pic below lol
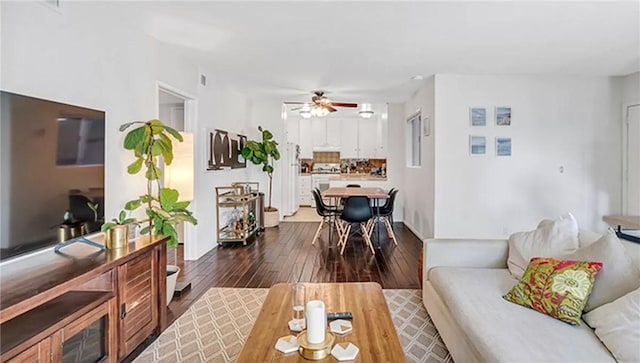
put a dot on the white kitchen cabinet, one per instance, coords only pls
(318, 131)
(334, 129)
(367, 138)
(363, 138)
(349, 139)
(305, 140)
(305, 190)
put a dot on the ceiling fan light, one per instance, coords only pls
(366, 113)
(305, 113)
(319, 111)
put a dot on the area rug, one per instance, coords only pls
(216, 325)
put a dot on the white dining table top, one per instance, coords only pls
(342, 192)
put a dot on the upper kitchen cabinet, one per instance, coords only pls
(325, 131)
(305, 138)
(363, 138)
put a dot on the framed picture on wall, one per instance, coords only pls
(503, 116)
(477, 145)
(503, 146)
(478, 116)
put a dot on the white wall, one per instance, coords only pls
(568, 122)
(418, 194)
(75, 57)
(630, 86)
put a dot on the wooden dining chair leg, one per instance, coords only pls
(315, 237)
(346, 237)
(387, 224)
(340, 229)
(367, 239)
(370, 224)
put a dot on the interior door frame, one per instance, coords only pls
(190, 117)
(625, 148)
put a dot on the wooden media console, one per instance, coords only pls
(82, 303)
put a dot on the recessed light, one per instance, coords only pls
(417, 77)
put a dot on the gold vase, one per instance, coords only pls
(118, 237)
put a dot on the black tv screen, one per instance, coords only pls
(51, 167)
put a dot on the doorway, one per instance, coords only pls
(177, 109)
(631, 161)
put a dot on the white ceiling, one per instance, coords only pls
(368, 51)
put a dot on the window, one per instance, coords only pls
(414, 125)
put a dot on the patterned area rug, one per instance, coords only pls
(215, 327)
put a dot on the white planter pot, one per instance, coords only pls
(172, 278)
(271, 219)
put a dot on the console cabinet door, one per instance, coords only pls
(39, 353)
(138, 301)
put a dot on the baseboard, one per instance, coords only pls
(414, 231)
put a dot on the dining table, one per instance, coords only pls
(374, 193)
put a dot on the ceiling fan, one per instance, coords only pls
(321, 103)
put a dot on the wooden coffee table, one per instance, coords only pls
(373, 330)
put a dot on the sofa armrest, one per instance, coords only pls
(480, 253)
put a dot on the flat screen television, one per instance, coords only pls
(51, 172)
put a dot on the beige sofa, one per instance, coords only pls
(463, 284)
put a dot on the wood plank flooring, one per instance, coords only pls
(285, 254)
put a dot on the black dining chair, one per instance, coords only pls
(357, 210)
(328, 214)
(386, 213)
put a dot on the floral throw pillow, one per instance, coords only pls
(557, 288)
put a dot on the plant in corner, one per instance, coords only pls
(264, 153)
(151, 144)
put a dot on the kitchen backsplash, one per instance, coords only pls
(364, 166)
(326, 157)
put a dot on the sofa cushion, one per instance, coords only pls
(557, 288)
(618, 275)
(550, 239)
(505, 332)
(617, 325)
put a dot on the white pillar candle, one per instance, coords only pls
(316, 321)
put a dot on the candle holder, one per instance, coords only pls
(315, 351)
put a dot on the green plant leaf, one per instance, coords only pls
(260, 155)
(145, 230)
(122, 216)
(156, 148)
(134, 137)
(153, 172)
(129, 221)
(247, 153)
(254, 145)
(155, 122)
(135, 167)
(266, 135)
(128, 124)
(133, 204)
(276, 154)
(167, 140)
(168, 198)
(167, 153)
(176, 135)
(160, 212)
(186, 218)
(169, 230)
(181, 205)
(107, 226)
(269, 147)
(267, 168)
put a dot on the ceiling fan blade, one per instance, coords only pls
(297, 108)
(342, 104)
(331, 109)
(293, 103)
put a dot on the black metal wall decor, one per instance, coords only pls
(225, 150)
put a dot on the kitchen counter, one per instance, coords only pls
(305, 174)
(359, 177)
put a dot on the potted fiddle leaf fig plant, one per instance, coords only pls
(265, 153)
(152, 145)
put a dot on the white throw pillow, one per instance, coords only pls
(618, 275)
(617, 325)
(550, 239)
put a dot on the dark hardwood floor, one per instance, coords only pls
(285, 254)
